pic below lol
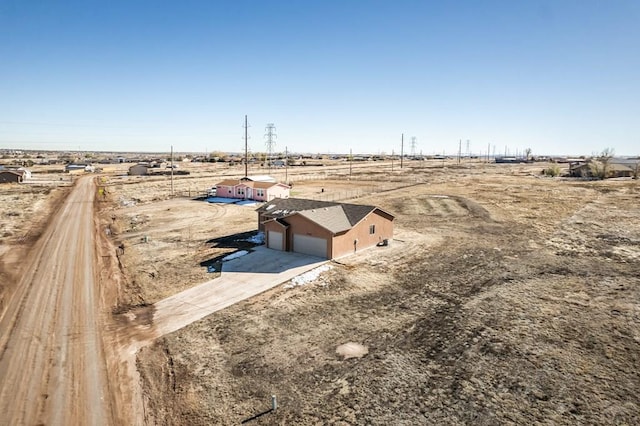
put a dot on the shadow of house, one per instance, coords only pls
(240, 241)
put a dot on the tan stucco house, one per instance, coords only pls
(324, 229)
(247, 189)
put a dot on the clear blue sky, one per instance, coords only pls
(559, 77)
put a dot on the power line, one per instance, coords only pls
(270, 143)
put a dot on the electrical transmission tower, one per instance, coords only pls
(271, 136)
(414, 144)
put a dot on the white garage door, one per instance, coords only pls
(310, 245)
(275, 240)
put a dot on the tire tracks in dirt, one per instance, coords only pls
(52, 366)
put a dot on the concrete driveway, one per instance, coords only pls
(241, 279)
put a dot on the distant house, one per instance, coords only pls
(248, 189)
(324, 229)
(26, 172)
(11, 176)
(259, 178)
(139, 170)
(78, 168)
(617, 168)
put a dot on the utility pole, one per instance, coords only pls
(246, 147)
(171, 171)
(271, 136)
(468, 151)
(392, 155)
(401, 149)
(414, 143)
(350, 161)
(488, 149)
(459, 150)
(286, 166)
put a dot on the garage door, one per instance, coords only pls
(310, 245)
(275, 240)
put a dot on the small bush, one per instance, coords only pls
(552, 171)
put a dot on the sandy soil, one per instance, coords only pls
(24, 213)
(505, 298)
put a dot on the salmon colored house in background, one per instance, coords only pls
(324, 229)
(249, 188)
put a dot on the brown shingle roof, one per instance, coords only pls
(335, 217)
(228, 182)
(331, 218)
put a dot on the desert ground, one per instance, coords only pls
(504, 298)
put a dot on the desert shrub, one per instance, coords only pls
(552, 171)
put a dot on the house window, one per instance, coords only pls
(372, 229)
(260, 193)
(240, 191)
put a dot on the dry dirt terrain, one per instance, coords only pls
(52, 364)
(504, 298)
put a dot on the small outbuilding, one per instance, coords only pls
(11, 176)
(139, 170)
(79, 168)
(324, 229)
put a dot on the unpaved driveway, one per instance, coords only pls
(52, 367)
(241, 279)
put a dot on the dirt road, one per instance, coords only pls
(52, 364)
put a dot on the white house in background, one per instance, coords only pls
(260, 178)
(79, 168)
(25, 172)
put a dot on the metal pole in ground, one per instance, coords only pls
(274, 403)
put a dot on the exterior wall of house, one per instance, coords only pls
(273, 226)
(276, 191)
(303, 226)
(261, 225)
(225, 191)
(243, 191)
(343, 244)
(260, 194)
